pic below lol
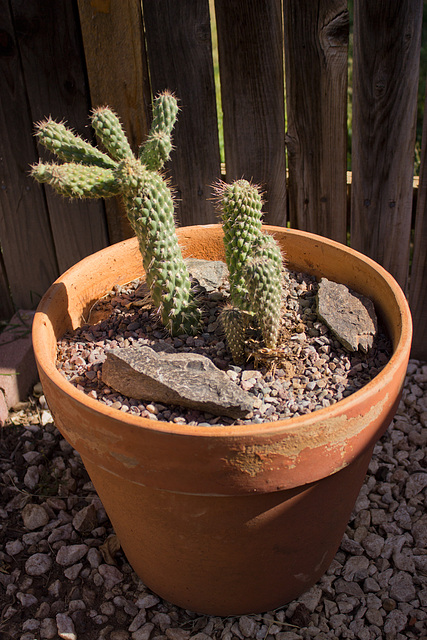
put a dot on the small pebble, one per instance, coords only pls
(38, 564)
(34, 516)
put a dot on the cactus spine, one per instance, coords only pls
(90, 173)
(254, 261)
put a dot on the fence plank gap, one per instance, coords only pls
(250, 47)
(316, 44)
(114, 49)
(387, 40)
(179, 48)
(49, 43)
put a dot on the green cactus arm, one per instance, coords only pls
(157, 148)
(165, 111)
(76, 180)
(264, 277)
(68, 146)
(266, 246)
(240, 203)
(109, 130)
(240, 200)
(150, 208)
(235, 323)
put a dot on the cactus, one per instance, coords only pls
(156, 149)
(110, 132)
(265, 294)
(90, 173)
(241, 205)
(235, 323)
(255, 264)
(253, 258)
(264, 280)
(70, 147)
(77, 180)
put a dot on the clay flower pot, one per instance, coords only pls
(226, 520)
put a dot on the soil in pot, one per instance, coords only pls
(311, 369)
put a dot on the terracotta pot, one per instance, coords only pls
(226, 520)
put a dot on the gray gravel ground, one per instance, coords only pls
(62, 574)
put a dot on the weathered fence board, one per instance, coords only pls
(250, 47)
(316, 42)
(180, 56)
(385, 80)
(26, 241)
(54, 74)
(114, 50)
(418, 281)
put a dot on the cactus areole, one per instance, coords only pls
(254, 260)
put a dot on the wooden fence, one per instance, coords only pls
(62, 57)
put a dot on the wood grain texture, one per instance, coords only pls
(48, 37)
(316, 44)
(113, 39)
(418, 281)
(385, 80)
(250, 46)
(179, 49)
(25, 235)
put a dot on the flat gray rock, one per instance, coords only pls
(185, 379)
(210, 274)
(349, 315)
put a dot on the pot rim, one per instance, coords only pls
(348, 405)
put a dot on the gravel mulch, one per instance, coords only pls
(63, 575)
(309, 370)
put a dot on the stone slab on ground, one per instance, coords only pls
(211, 274)
(18, 371)
(185, 379)
(349, 315)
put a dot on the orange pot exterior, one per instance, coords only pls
(226, 520)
